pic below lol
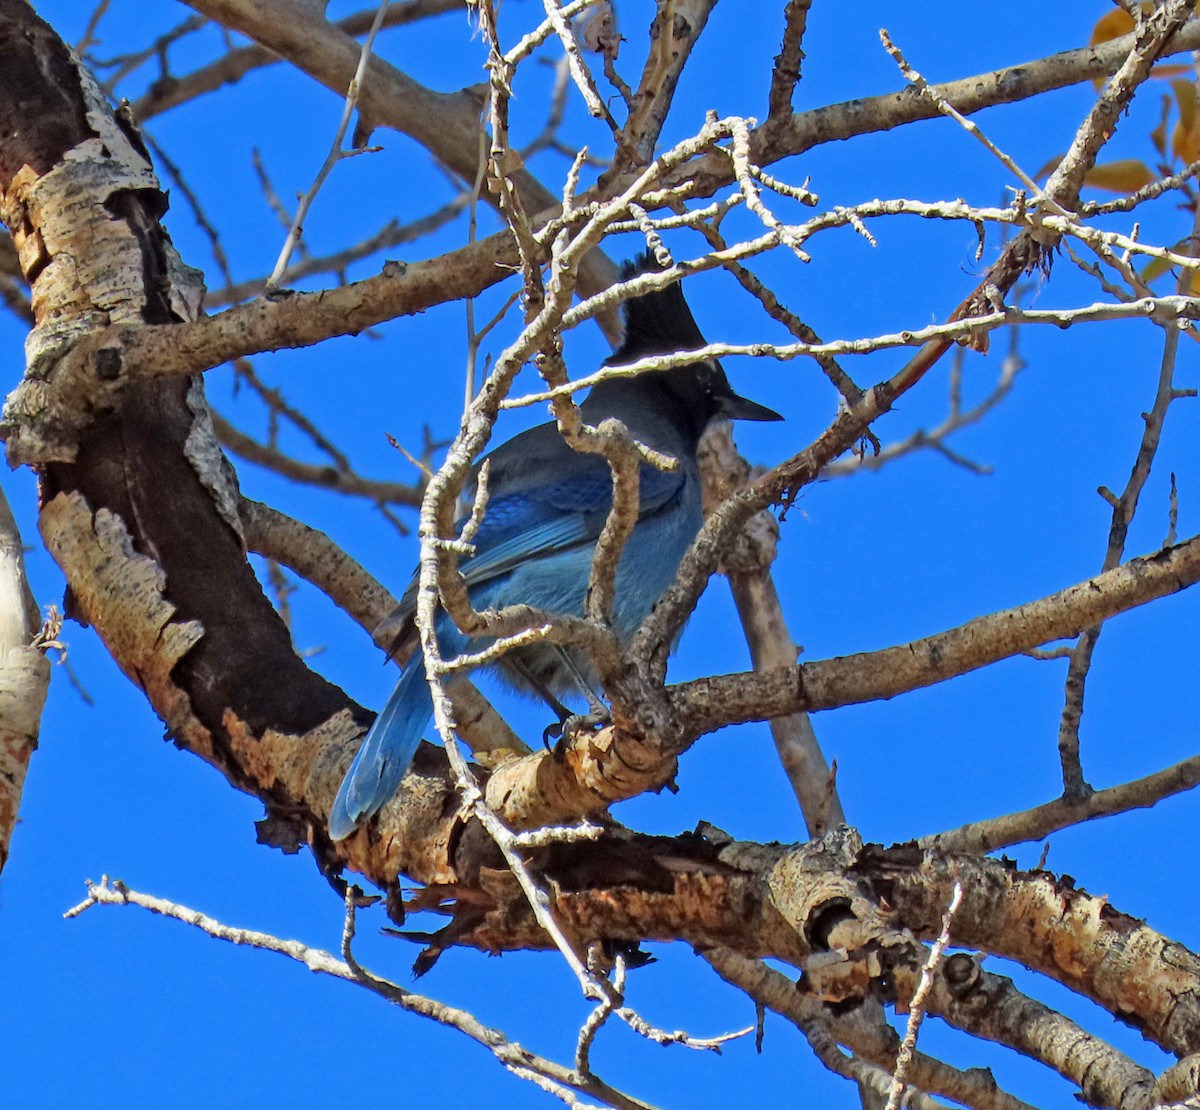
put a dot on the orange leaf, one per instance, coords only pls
(1185, 97)
(1168, 69)
(1125, 176)
(1185, 140)
(1156, 267)
(1049, 167)
(1113, 25)
(1185, 145)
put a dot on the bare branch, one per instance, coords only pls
(335, 155)
(327, 477)
(1040, 821)
(1124, 509)
(317, 559)
(947, 109)
(786, 74)
(706, 704)
(780, 138)
(673, 35)
(747, 565)
(916, 1011)
(170, 91)
(825, 1027)
(512, 1055)
(393, 234)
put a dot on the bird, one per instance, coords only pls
(546, 506)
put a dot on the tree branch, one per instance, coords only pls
(170, 92)
(24, 674)
(986, 836)
(706, 704)
(513, 1056)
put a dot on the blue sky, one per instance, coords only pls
(118, 1007)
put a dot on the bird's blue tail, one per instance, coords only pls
(386, 752)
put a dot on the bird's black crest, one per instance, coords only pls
(655, 323)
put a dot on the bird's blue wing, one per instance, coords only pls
(540, 521)
(529, 523)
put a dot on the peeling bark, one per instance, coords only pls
(24, 677)
(141, 510)
(138, 503)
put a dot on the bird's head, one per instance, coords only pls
(660, 323)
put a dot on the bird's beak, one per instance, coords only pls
(734, 407)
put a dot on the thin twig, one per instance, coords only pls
(947, 109)
(916, 1012)
(1124, 509)
(336, 154)
(512, 1055)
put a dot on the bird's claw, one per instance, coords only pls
(589, 722)
(564, 731)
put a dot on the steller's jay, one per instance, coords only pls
(546, 507)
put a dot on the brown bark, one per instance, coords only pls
(143, 518)
(142, 512)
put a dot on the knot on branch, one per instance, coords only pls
(596, 770)
(852, 948)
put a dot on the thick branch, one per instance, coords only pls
(707, 704)
(1046, 924)
(24, 675)
(170, 91)
(144, 520)
(47, 416)
(818, 1022)
(782, 138)
(317, 559)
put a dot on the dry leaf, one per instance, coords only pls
(1124, 176)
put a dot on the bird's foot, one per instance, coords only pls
(562, 732)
